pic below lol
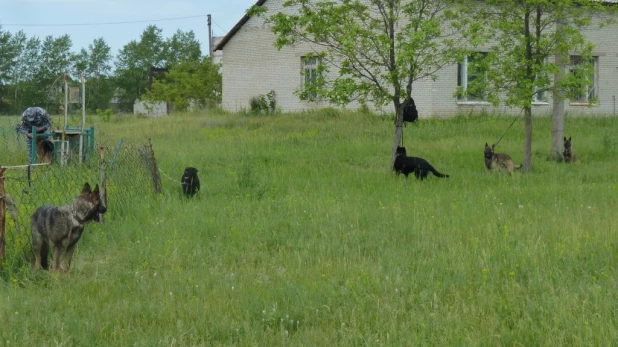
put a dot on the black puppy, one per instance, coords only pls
(407, 165)
(190, 182)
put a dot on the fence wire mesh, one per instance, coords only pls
(126, 167)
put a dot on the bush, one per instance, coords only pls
(106, 115)
(263, 104)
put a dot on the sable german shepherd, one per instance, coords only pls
(495, 160)
(419, 166)
(569, 153)
(44, 150)
(62, 227)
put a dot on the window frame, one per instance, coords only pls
(463, 80)
(591, 93)
(309, 74)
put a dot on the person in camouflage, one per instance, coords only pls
(37, 117)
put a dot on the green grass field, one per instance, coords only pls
(302, 235)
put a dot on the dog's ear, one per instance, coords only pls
(96, 189)
(86, 188)
(565, 140)
(569, 138)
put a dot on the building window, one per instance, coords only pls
(539, 97)
(310, 74)
(472, 78)
(585, 93)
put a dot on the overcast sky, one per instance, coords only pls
(56, 14)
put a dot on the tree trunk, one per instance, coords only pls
(398, 131)
(557, 133)
(528, 140)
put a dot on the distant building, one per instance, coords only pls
(251, 66)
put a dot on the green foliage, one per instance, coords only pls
(135, 59)
(338, 251)
(263, 104)
(192, 81)
(104, 116)
(381, 48)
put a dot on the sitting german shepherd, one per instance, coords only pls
(62, 227)
(419, 166)
(190, 182)
(495, 160)
(569, 153)
(44, 150)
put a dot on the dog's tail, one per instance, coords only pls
(436, 173)
(517, 166)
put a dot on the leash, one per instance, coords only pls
(176, 181)
(507, 129)
(169, 177)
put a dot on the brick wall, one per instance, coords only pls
(253, 66)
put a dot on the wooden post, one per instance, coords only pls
(156, 180)
(66, 115)
(2, 214)
(81, 134)
(102, 184)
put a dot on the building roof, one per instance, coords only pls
(236, 28)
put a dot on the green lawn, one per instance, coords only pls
(302, 235)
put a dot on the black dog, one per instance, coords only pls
(190, 182)
(419, 166)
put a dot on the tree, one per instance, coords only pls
(371, 50)
(134, 61)
(197, 81)
(23, 88)
(182, 47)
(523, 38)
(55, 60)
(95, 65)
(7, 61)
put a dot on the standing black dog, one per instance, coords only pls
(407, 165)
(190, 182)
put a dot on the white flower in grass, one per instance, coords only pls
(521, 206)
(155, 274)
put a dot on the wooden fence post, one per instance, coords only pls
(156, 180)
(103, 185)
(2, 214)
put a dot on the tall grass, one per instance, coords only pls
(302, 236)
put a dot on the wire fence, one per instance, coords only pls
(126, 171)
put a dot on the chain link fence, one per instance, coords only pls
(126, 170)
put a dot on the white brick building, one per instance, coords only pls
(253, 66)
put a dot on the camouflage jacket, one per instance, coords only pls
(35, 116)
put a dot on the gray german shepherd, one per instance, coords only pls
(495, 160)
(62, 227)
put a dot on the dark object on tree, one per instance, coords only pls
(155, 69)
(410, 113)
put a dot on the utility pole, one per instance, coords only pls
(209, 37)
